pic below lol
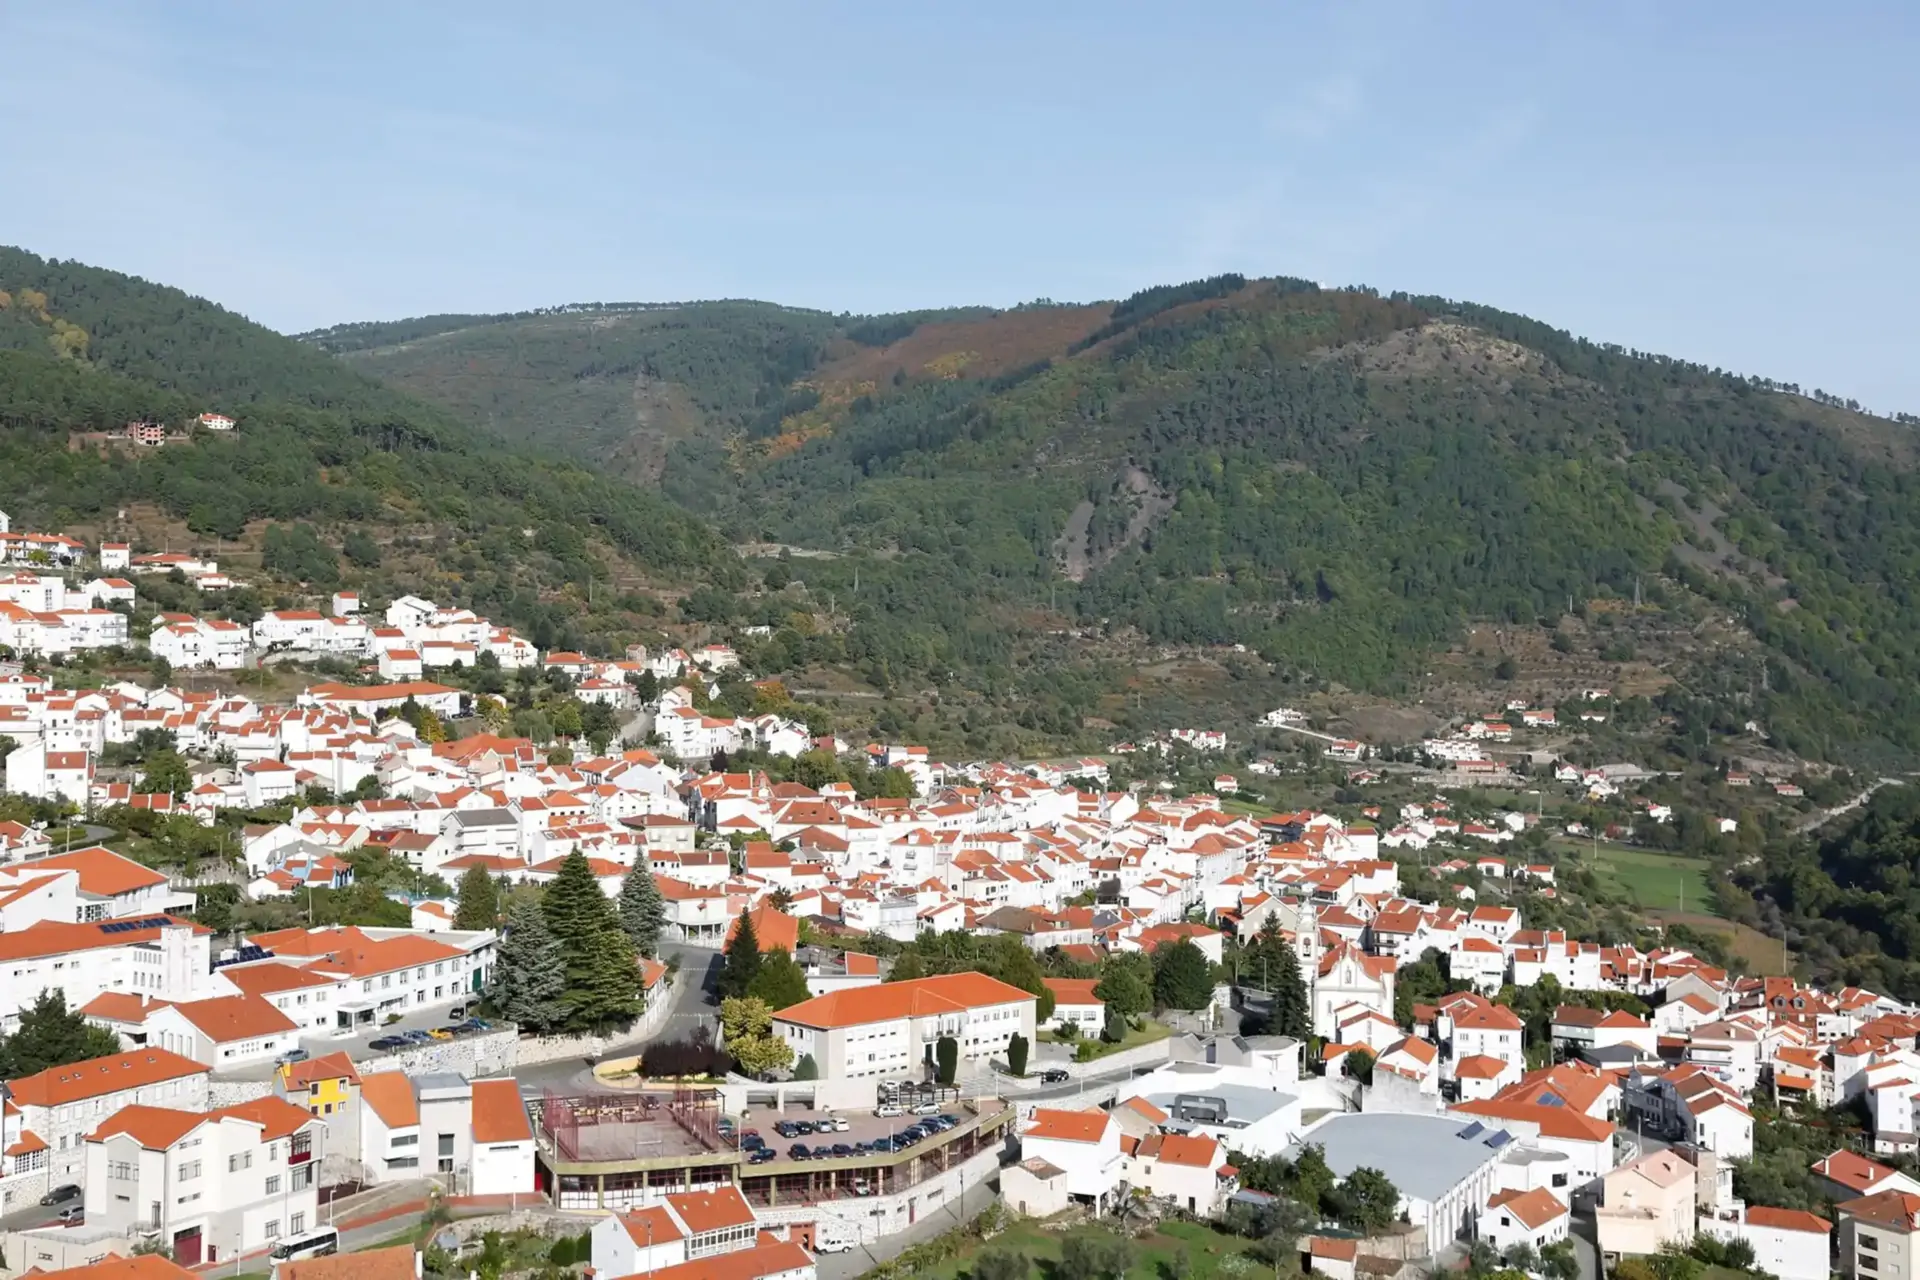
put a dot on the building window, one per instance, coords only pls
(1868, 1242)
(273, 1185)
(273, 1229)
(242, 1161)
(189, 1171)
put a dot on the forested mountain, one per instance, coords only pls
(1002, 515)
(609, 384)
(439, 506)
(1848, 899)
(1335, 479)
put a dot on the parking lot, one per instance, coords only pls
(862, 1126)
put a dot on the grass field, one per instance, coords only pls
(1177, 1251)
(1651, 881)
(1760, 953)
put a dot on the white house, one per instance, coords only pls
(1086, 1144)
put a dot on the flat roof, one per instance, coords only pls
(1424, 1156)
(1245, 1104)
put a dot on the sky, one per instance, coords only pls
(1734, 183)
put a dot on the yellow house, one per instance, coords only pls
(324, 1085)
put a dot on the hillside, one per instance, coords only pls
(610, 385)
(437, 506)
(1338, 481)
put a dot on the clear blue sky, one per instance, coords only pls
(1737, 183)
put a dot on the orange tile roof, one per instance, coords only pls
(651, 1225)
(769, 1257)
(97, 1077)
(102, 871)
(1535, 1208)
(918, 997)
(772, 929)
(1147, 1109)
(714, 1210)
(1068, 1126)
(328, 1066)
(1190, 1149)
(390, 1094)
(155, 1128)
(276, 1117)
(149, 1266)
(55, 938)
(1760, 1215)
(498, 1113)
(270, 977)
(393, 1263)
(1073, 990)
(360, 955)
(1478, 1066)
(1851, 1169)
(224, 1019)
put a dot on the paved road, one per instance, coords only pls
(863, 1258)
(694, 1003)
(1827, 815)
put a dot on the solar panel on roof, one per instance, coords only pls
(1499, 1138)
(1473, 1130)
(1551, 1100)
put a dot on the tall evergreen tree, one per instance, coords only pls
(1292, 1008)
(781, 982)
(529, 972)
(643, 912)
(479, 906)
(743, 960)
(602, 971)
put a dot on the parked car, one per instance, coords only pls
(753, 1143)
(762, 1154)
(927, 1109)
(389, 1042)
(861, 1187)
(822, 1152)
(842, 1149)
(834, 1124)
(952, 1120)
(73, 1214)
(1054, 1075)
(293, 1055)
(798, 1151)
(417, 1036)
(444, 1033)
(66, 1191)
(888, 1113)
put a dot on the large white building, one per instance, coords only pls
(54, 1109)
(209, 1185)
(888, 1029)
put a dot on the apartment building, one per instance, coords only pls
(387, 971)
(61, 1105)
(210, 1185)
(884, 1030)
(159, 956)
(1878, 1236)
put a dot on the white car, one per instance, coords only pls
(832, 1246)
(927, 1109)
(839, 1124)
(888, 1113)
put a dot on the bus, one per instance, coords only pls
(313, 1245)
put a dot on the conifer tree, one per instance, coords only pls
(643, 912)
(479, 906)
(602, 971)
(529, 973)
(781, 982)
(743, 960)
(1292, 1009)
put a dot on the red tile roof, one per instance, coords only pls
(498, 1113)
(919, 997)
(1068, 1126)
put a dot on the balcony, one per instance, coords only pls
(301, 1149)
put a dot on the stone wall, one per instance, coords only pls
(231, 1093)
(490, 1053)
